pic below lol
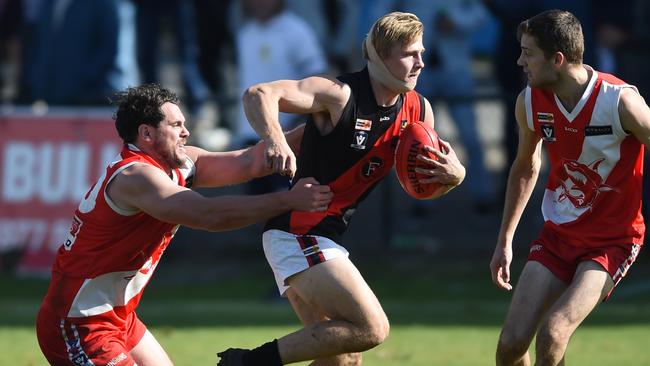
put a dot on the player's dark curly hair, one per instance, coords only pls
(140, 105)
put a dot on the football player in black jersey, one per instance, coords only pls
(348, 144)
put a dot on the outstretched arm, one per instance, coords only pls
(521, 182)
(145, 188)
(217, 169)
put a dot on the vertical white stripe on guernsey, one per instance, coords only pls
(529, 108)
(76, 353)
(605, 146)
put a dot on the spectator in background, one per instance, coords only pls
(448, 77)
(180, 17)
(272, 44)
(127, 64)
(10, 26)
(216, 62)
(214, 38)
(72, 56)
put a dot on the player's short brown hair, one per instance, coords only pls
(392, 28)
(556, 31)
(140, 105)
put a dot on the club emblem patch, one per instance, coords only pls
(548, 132)
(359, 141)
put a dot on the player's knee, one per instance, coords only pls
(511, 345)
(550, 336)
(349, 359)
(352, 359)
(377, 331)
(346, 359)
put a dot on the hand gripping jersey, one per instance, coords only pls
(352, 158)
(110, 253)
(593, 194)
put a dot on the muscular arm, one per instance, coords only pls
(635, 115)
(217, 169)
(263, 102)
(521, 182)
(146, 188)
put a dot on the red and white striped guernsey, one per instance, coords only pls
(593, 194)
(110, 253)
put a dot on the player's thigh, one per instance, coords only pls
(337, 290)
(590, 285)
(536, 290)
(307, 313)
(148, 352)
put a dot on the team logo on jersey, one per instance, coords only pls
(544, 117)
(581, 183)
(403, 124)
(363, 124)
(369, 168)
(548, 132)
(360, 140)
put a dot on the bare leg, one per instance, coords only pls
(148, 352)
(536, 290)
(309, 315)
(352, 319)
(589, 287)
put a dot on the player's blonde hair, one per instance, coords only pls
(392, 28)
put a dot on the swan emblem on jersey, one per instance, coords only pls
(582, 183)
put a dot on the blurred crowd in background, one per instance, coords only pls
(76, 53)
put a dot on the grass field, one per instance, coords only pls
(442, 314)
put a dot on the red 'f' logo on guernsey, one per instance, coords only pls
(581, 183)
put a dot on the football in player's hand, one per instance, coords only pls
(412, 141)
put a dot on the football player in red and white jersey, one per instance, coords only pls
(127, 219)
(593, 126)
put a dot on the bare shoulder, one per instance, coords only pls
(521, 99)
(631, 101)
(327, 89)
(520, 109)
(634, 114)
(136, 182)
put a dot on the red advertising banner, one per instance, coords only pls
(47, 164)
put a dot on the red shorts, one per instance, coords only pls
(80, 342)
(562, 259)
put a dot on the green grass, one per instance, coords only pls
(441, 314)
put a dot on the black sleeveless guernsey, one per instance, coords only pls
(351, 159)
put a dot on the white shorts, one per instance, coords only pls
(289, 254)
